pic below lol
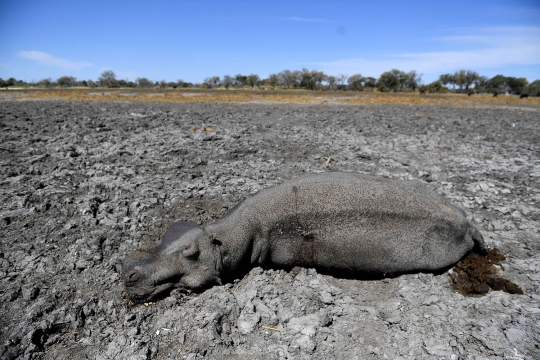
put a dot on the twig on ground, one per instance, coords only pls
(271, 328)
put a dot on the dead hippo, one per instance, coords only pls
(335, 222)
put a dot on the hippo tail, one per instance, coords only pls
(479, 243)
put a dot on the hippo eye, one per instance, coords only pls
(133, 276)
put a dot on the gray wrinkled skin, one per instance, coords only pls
(343, 222)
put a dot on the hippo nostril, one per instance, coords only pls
(133, 276)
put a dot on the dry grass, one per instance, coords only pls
(270, 96)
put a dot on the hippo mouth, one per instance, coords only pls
(138, 295)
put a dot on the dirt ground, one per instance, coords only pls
(84, 183)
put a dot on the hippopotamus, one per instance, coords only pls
(347, 223)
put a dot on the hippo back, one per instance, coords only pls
(352, 222)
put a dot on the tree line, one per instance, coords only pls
(462, 81)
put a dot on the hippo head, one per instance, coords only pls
(187, 257)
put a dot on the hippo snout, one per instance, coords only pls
(146, 274)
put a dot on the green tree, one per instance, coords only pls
(401, 77)
(471, 77)
(435, 86)
(497, 83)
(516, 85)
(121, 83)
(240, 81)
(388, 81)
(446, 79)
(533, 89)
(356, 82)
(370, 82)
(481, 84)
(460, 79)
(307, 80)
(252, 80)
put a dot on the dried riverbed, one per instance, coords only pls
(83, 184)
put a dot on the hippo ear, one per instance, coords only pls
(191, 251)
(175, 232)
(177, 229)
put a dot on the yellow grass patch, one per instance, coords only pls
(279, 96)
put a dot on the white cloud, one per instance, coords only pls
(473, 49)
(306, 19)
(47, 59)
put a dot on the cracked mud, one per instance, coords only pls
(83, 184)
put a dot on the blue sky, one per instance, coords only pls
(193, 40)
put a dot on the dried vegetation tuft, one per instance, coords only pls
(291, 96)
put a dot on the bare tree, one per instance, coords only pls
(213, 81)
(44, 82)
(460, 79)
(107, 78)
(471, 77)
(331, 82)
(252, 80)
(144, 83)
(273, 80)
(296, 78)
(66, 81)
(227, 81)
(414, 80)
(342, 78)
(286, 78)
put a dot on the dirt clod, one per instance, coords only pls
(476, 274)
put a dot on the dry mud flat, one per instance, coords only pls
(84, 184)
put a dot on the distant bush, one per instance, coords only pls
(533, 89)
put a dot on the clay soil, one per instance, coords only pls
(84, 183)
